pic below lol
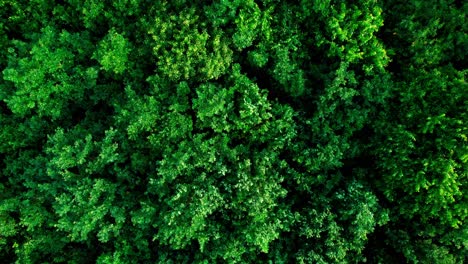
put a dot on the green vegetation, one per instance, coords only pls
(231, 131)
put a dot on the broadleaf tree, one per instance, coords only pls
(233, 131)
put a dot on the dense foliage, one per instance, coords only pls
(229, 131)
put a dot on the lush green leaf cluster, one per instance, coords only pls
(233, 131)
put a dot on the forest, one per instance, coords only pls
(233, 131)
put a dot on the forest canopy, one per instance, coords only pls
(233, 131)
